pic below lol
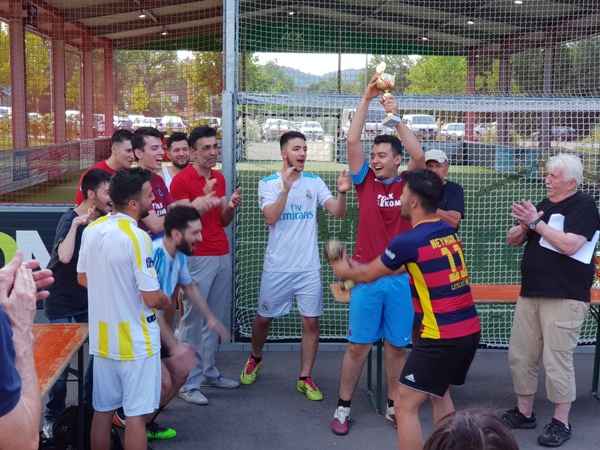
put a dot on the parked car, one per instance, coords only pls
(484, 128)
(453, 130)
(171, 124)
(423, 125)
(373, 123)
(273, 129)
(561, 133)
(142, 121)
(312, 130)
(5, 111)
(122, 122)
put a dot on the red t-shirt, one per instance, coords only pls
(379, 219)
(188, 184)
(162, 199)
(102, 165)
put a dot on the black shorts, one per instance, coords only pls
(435, 364)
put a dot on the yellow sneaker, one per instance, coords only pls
(250, 371)
(309, 389)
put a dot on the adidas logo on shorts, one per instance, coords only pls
(410, 378)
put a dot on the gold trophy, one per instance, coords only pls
(385, 83)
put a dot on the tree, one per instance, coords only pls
(73, 76)
(4, 56)
(437, 75)
(266, 78)
(140, 100)
(37, 60)
(203, 74)
(153, 69)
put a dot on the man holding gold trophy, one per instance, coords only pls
(382, 308)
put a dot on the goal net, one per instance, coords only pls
(499, 86)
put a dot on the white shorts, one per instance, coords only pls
(278, 290)
(133, 385)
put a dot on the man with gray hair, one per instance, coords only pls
(557, 271)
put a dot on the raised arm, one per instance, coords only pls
(228, 208)
(272, 211)
(407, 137)
(337, 206)
(356, 157)
(66, 248)
(19, 428)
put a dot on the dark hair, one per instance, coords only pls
(176, 137)
(286, 137)
(121, 136)
(397, 147)
(137, 142)
(471, 430)
(179, 217)
(92, 180)
(427, 186)
(126, 185)
(201, 132)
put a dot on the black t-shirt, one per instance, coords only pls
(67, 297)
(10, 381)
(546, 273)
(453, 198)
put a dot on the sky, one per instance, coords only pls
(313, 63)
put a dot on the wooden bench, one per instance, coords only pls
(483, 294)
(54, 345)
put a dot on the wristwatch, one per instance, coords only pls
(533, 224)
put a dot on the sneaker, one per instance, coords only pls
(555, 434)
(157, 433)
(340, 424)
(48, 430)
(250, 371)
(119, 418)
(220, 382)
(309, 389)
(194, 396)
(513, 418)
(390, 414)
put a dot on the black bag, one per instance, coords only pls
(65, 431)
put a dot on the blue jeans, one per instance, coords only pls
(58, 394)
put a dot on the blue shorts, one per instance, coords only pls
(382, 309)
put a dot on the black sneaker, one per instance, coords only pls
(513, 418)
(555, 434)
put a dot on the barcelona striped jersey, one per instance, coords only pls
(434, 258)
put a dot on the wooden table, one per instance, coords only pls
(482, 294)
(54, 345)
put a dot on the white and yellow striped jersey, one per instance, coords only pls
(116, 257)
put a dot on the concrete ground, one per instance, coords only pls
(271, 415)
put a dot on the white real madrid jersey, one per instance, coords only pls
(292, 245)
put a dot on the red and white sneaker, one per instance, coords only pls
(340, 424)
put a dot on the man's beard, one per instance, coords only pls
(180, 166)
(185, 248)
(144, 213)
(99, 211)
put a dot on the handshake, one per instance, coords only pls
(334, 251)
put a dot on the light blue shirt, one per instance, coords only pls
(171, 270)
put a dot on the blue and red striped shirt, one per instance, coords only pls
(439, 281)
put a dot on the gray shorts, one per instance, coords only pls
(278, 290)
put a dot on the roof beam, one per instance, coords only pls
(163, 21)
(118, 7)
